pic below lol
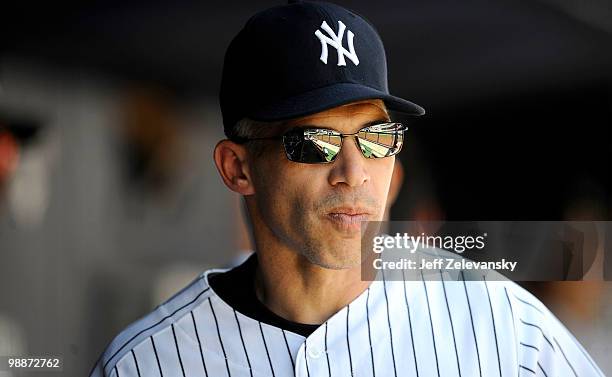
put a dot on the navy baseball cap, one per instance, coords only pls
(301, 58)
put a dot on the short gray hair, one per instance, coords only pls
(247, 128)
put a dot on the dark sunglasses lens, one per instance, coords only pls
(382, 140)
(312, 146)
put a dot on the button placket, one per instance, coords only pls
(314, 353)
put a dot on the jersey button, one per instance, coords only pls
(314, 353)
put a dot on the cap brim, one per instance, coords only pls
(328, 97)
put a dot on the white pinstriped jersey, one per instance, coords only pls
(394, 328)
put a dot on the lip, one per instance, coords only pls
(348, 219)
(350, 211)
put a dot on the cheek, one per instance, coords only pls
(298, 185)
(290, 192)
(278, 188)
(381, 181)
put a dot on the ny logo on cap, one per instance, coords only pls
(336, 42)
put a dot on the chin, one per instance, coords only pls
(337, 259)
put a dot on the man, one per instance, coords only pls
(311, 149)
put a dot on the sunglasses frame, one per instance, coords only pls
(401, 128)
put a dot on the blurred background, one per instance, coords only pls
(110, 202)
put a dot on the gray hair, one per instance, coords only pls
(247, 128)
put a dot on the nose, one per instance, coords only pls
(350, 165)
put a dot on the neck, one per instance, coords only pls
(299, 291)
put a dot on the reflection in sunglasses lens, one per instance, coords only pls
(380, 144)
(325, 143)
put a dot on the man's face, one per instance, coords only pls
(316, 209)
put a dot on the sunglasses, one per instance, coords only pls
(313, 145)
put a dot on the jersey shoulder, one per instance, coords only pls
(543, 342)
(163, 316)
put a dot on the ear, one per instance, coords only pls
(232, 164)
